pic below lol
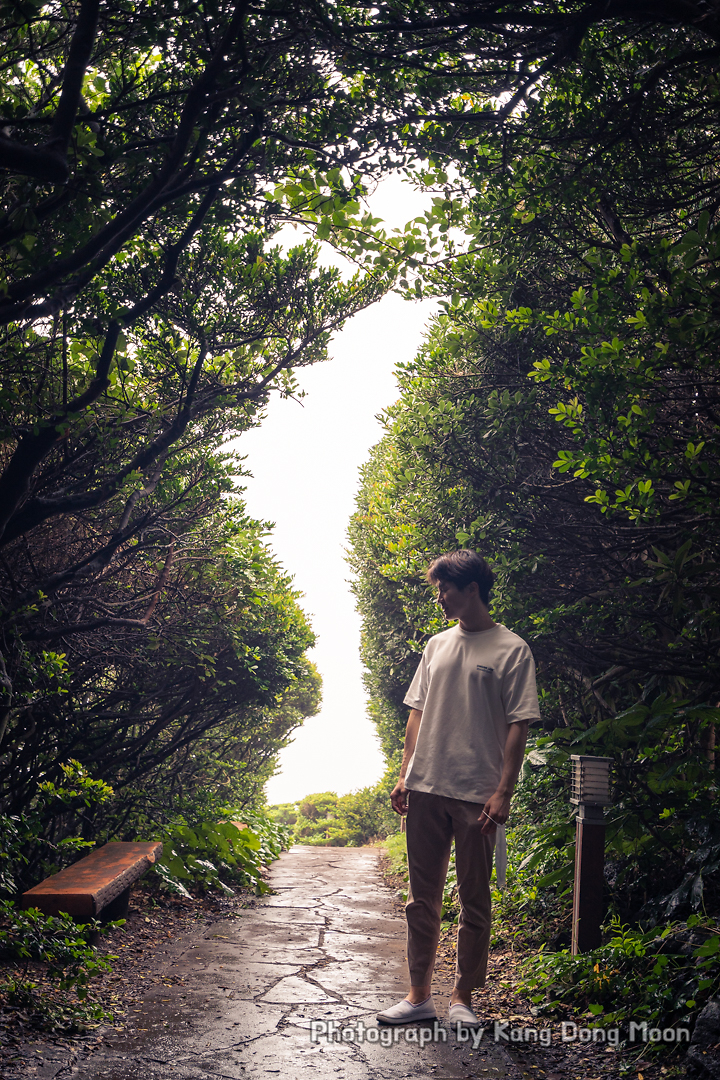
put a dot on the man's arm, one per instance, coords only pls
(497, 809)
(398, 795)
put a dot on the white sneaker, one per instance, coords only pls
(407, 1013)
(463, 1015)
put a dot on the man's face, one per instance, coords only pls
(452, 600)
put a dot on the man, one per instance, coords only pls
(471, 701)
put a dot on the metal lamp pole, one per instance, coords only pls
(590, 792)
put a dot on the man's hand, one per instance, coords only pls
(398, 797)
(495, 812)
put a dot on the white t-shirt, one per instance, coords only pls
(469, 686)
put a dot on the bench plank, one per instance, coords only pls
(84, 889)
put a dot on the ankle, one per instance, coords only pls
(417, 995)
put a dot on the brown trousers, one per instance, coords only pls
(432, 822)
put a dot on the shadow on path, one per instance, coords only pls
(290, 988)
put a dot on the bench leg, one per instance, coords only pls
(117, 908)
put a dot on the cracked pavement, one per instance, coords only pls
(325, 947)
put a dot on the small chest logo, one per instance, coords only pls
(481, 667)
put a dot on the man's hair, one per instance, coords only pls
(462, 567)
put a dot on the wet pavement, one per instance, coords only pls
(290, 987)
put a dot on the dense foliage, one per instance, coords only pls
(218, 855)
(651, 978)
(562, 418)
(563, 413)
(64, 948)
(145, 629)
(149, 157)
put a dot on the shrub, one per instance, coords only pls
(64, 947)
(662, 978)
(337, 821)
(349, 820)
(217, 855)
(27, 855)
(284, 813)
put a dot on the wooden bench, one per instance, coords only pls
(97, 885)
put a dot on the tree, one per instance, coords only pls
(145, 317)
(218, 673)
(227, 766)
(151, 156)
(91, 548)
(109, 632)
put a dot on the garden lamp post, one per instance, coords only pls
(590, 793)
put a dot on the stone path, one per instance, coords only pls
(291, 988)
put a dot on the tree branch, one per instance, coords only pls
(49, 163)
(45, 165)
(56, 632)
(32, 448)
(80, 52)
(104, 245)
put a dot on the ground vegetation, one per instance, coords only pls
(130, 959)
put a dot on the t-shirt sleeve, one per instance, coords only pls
(416, 695)
(519, 691)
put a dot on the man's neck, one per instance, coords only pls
(475, 621)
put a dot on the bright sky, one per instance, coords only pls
(305, 459)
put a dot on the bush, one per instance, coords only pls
(284, 813)
(320, 820)
(64, 947)
(662, 978)
(27, 855)
(349, 820)
(337, 821)
(274, 836)
(216, 855)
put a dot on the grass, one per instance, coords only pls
(396, 850)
